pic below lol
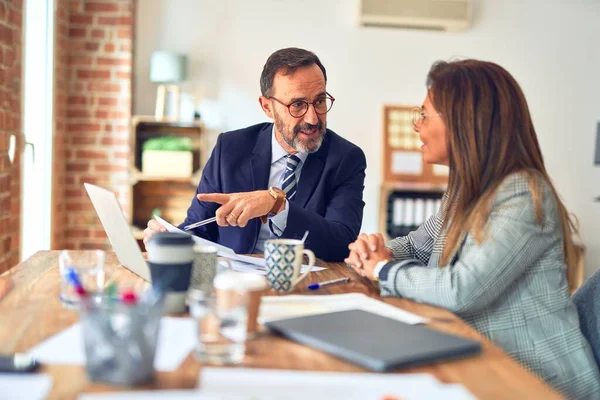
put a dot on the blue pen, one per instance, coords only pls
(72, 276)
(315, 286)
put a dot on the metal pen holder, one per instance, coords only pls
(120, 340)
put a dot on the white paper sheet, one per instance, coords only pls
(265, 384)
(229, 253)
(223, 250)
(25, 386)
(176, 339)
(283, 307)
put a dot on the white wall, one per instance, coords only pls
(550, 46)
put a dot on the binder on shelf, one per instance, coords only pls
(405, 208)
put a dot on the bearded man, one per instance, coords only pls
(281, 179)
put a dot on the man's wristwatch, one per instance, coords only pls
(279, 196)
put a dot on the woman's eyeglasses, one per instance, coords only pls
(418, 115)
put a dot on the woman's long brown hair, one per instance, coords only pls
(490, 136)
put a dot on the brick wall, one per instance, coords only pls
(59, 216)
(11, 22)
(93, 113)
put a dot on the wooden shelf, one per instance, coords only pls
(171, 195)
(402, 155)
(140, 177)
(144, 178)
(150, 119)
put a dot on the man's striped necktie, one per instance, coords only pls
(289, 183)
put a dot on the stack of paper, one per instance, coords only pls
(239, 262)
(283, 307)
(176, 338)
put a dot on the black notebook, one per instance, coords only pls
(372, 341)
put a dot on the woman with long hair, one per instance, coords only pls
(497, 251)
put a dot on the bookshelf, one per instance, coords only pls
(405, 206)
(170, 194)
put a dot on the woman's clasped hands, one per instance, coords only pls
(366, 252)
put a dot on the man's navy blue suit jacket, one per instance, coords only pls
(328, 202)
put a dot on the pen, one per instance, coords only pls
(200, 223)
(72, 276)
(129, 297)
(315, 286)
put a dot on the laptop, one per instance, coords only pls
(118, 230)
(374, 342)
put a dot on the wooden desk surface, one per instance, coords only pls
(31, 311)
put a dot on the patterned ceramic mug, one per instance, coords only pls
(284, 259)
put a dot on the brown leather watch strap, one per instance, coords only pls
(279, 196)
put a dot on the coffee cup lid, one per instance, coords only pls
(172, 239)
(203, 248)
(231, 280)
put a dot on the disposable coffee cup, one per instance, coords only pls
(170, 259)
(229, 286)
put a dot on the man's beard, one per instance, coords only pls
(293, 140)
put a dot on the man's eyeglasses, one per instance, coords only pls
(418, 115)
(299, 108)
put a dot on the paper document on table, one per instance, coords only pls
(223, 250)
(267, 384)
(176, 338)
(25, 386)
(284, 307)
(227, 252)
(241, 266)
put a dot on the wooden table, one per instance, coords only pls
(31, 312)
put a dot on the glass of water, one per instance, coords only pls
(89, 267)
(222, 322)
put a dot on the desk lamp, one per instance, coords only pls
(167, 69)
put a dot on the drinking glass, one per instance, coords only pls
(222, 322)
(89, 268)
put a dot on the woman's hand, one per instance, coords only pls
(366, 252)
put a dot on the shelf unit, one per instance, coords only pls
(405, 206)
(412, 189)
(402, 156)
(172, 195)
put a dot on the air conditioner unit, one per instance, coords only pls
(446, 15)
